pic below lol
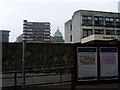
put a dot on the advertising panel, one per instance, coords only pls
(86, 63)
(108, 63)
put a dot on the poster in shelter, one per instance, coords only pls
(108, 63)
(86, 63)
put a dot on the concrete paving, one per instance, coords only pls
(68, 87)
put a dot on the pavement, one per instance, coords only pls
(68, 87)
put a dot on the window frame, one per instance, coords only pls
(87, 20)
(106, 32)
(109, 21)
(98, 20)
(87, 33)
(99, 31)
(117, 33)
(117, 23)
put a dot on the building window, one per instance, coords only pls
(90, 32)
(70, 37)
(109, 21)
(29, 23)
(70, 27)
(87, 32)
(98, 31)
(86, 20)
(24, 27)
(107, 32)
(117, 32)
(98, 21)
(110, 32)
(117, 20)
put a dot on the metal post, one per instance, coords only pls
(72, 79)
(23, 66)
(15, 80)
(60, 76)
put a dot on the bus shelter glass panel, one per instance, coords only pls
(108, 63)
(86, 63)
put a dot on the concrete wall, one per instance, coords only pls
(67, 31)
(76, 27)
(36, 54)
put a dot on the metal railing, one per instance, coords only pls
(43, 75)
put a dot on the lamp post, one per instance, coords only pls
(23, 65)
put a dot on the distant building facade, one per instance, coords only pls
(57, 37)
(4, 35)
(36, 31)
(89, 26)
(68, 31)
(19, 38)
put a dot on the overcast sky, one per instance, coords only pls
(57, 12)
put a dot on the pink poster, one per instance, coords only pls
(108, 58)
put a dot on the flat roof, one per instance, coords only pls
(4, 31)
(97, 11)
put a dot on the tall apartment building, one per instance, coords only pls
(36, 31)
(90, 26)
(4, 36)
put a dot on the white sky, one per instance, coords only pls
(57, 12)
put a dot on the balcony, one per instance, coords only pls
(100, 37)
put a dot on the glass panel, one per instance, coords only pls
(99, 31)
(87, 20)
(117, 19)
(98, 20)
(107, 32)
(86, 63)
(70, 37)
(112, 32)
(106, 19)
(111, 20)
(117, 32)
(84, 33)
(87, 32)
(108, 63)
(117, 22)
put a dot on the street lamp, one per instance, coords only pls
(23, 64)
